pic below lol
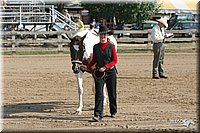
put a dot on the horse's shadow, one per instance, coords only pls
(20, 110)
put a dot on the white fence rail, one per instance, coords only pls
(139, 33)
(7, 35)
(11, 38)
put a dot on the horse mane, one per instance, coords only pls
(111, 32)
(89, 38)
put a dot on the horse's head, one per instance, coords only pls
(81, 47)
(77, 50)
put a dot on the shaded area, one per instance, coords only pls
(28, 107)
(14, 110)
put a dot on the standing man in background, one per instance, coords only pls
(68, 20)
(93, 24)
(68, 17)
(158, 36)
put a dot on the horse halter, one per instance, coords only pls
(76, 66)
(76, 53)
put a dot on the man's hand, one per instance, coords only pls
(83, 67)
(169, 35)
(102, 69)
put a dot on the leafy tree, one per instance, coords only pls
(128, 12)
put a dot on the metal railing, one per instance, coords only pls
(24, 2)
(59, 17)
(25, 15)
(34, 14)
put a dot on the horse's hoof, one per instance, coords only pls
(77, 112)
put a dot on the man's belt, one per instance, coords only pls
(97, 67)
(111, 68)
(158, 42)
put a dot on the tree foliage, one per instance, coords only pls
(130, 12)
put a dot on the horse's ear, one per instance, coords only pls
(70, 37)
(82, 38)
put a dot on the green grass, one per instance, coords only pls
(180, 50)
(122, 50)
(34, 52)
(150, 50)
(133, 50)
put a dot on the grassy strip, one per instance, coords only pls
(34, 52)
(133, 50)
(180, 50)
(38, 52)
(150, 50)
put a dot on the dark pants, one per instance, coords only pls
(158, 50)
(111, 84)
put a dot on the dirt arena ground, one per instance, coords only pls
(40, 94)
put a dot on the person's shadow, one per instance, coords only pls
(20, 110)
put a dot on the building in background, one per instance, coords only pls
(170, 7)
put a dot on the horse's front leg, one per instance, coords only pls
(104, 95)
(79, 78)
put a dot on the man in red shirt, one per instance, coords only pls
(105, 58)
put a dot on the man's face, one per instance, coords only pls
(161, 24)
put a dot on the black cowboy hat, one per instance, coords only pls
(103, 29)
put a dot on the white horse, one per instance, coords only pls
(81, 51)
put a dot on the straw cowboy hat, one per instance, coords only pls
(161, 20)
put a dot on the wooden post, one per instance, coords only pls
(13, 45)
(60, 44)
(194, 41)
(149, 41)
